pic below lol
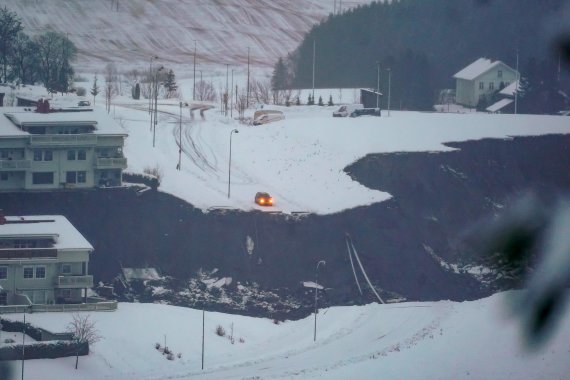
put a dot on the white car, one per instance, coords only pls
(347, 110)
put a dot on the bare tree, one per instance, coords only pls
(110, 84)
(261, 91)
(84, 332)
(241, 104)
(205, 91)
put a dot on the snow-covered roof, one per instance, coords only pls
(477, 68)
(15, 117)
(499, 105)
(510, 89)
(64, 234)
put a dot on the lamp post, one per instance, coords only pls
(227, 94)
(378, 86)
(155, 105)
(230, 161)
(247, 94)
(179, 166)
(316, 292)
(389, 88)
(232, 97)
(314, 43)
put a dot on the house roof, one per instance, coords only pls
(57, 227)
(13, 118)
(499, 105)
(510, 89)
(477, 68)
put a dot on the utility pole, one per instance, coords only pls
(23, 345)
(247, 95)
(155, 105)
(203, 329)
(227, 89)
(314, 43)
(179, 166)
(378, 87)
(389, 88)
(517, 84)
(232, 97)
(194, 86)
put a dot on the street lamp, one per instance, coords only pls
(230, 162)
(389, 88)
(179, 166)
(316, 290)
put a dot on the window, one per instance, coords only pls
(81, 155)
(481, 85)
(3, 298)
(48, 155)
(71, 177)
(491, 85)
(3, 176)
(3, 273)
(71, 155)
(24, 244)
(37, 155)
(65, 293)
(40, 272)
(4, 154)
(42, 178)
(66, 269)
(28, 272)
(81, 177)
(500, 73)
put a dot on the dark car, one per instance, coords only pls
(263, 199)
(84, 103)
(366, 111)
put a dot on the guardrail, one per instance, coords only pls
(27, 253)
(75, 281)
(98, 306)
(15, 164)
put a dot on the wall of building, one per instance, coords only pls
(468, 92)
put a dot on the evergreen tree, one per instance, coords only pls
(136, 91)
(321, 101)
(170, 84)
(94, 89)
(330, 103)
(279, 78)
(10, 26)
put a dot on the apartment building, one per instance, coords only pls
(43, 260)
(75, 147)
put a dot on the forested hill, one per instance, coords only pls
(425, 42)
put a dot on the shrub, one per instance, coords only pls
(154, 171)
(241, 340)
(220, 331)
(166, 351)
(157, 346)
(276, 321)
(179, 356)
(80, 91)
(170, 356)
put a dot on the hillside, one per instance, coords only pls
(167, 28)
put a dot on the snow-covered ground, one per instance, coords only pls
(432, 340)
(299, 160)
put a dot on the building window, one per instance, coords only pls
(40, 272)
(71, 155)
(3, 298)
(3, 273)
(81, 155)
(71, 177)
(65, 293)
(500, 73)
(491, 85)
(4, 154)
(28, 272)
(24, 244)
(481, 85)
(81, 177)
(48, 155)
(3, 176)
(66, 269)
(37, 155)
(42, 178)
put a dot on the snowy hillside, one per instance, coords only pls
(167, 28)
(441, 340)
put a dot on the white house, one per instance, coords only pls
(481, 79)
(43, 260)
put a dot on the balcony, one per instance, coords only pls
(63, 140)
(15, 165)
(111, 163)
(27, 253)
(69, 282)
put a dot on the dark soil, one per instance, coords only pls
(436, 197)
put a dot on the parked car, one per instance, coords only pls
(347, 109)
(267, 116)
(366, 111)
(263, 199)
(84, 103)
